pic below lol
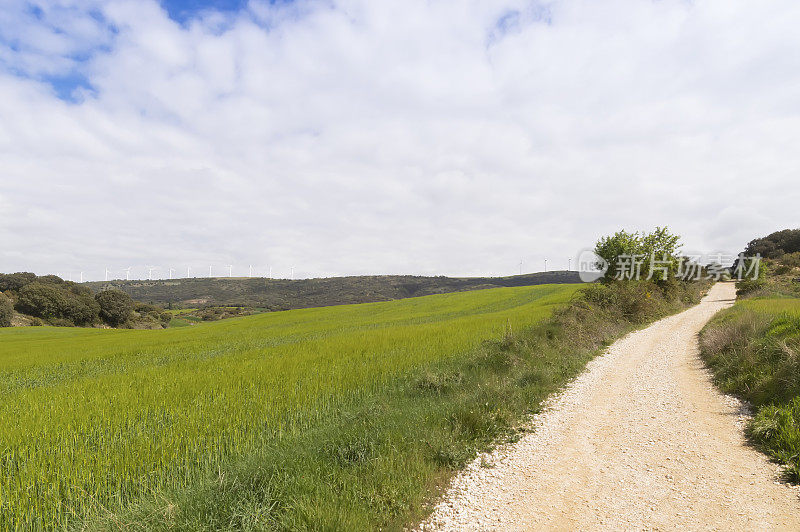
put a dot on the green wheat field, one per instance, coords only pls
(92, 420)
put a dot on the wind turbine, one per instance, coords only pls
(520, 267)
(270, 272)
(209, 270)
(251, 271)
(150, 272)
(230, 270)
(81, 276)
(106, 274)
(188, 271)
(128, 273)
(170, 272)
(545, 264)
(569, 263)
(292, 274)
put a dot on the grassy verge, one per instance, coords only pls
(375, 462)
(753, 349)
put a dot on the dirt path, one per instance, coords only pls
(641, 440)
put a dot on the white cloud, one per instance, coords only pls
(396, 137)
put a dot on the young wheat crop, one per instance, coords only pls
(94, 419)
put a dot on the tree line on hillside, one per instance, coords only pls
(285, 294)
(775, 245)
(50, 300)
(778, 274)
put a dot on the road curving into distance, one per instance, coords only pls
(640, 440)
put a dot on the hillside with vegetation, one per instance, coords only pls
(285, 294)
(753, 348)
(28, 299)
(775, 245)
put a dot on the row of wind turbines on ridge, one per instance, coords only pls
(172, 271)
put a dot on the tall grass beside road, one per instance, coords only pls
(753, 349)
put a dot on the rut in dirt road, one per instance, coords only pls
(640, 440)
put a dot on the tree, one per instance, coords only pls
(75, 306)
(15, 281)
(80, 307)
(611, 248)
(42, 300)
(657, 252)
(661, 251)
(776, 244)
(53, 279)
(116, 306)
(6, 311)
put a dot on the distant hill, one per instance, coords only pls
(283, 294)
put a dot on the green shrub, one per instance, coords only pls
(640, 301)
(791, 260)
(115, 306)
(15, 281)
(53, 279)
(600, 294)
(44, 301)
(59, 306)
(146, 308)
(658, 245)
(81, 309)
(749, 287)
(6, 311)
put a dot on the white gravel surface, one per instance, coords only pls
(640, 440)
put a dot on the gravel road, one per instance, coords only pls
(640, 440)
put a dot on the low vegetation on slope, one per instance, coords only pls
(775, 245)
(754, 351)
(49, 300)
(284, 294)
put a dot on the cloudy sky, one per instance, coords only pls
(351, 137)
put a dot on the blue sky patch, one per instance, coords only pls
(33, 57)
(71, 87)
(183, 10)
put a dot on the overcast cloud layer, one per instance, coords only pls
(354, 137)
